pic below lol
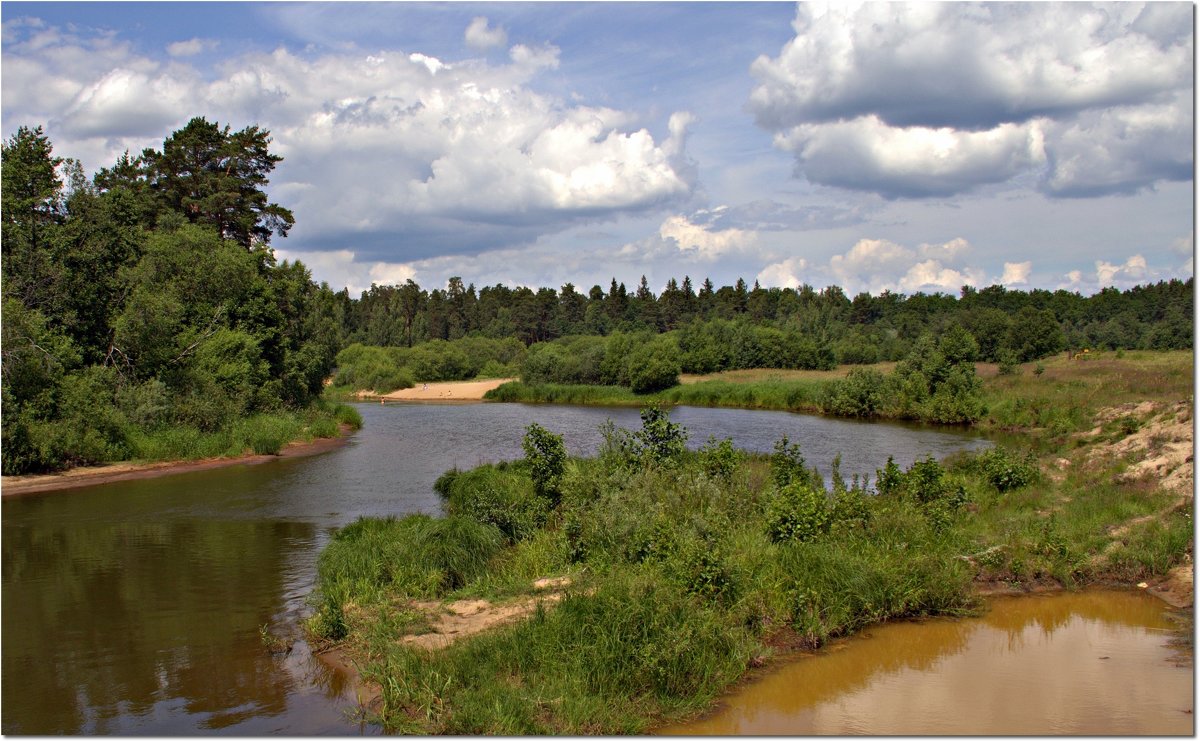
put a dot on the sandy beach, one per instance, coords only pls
(441, 391)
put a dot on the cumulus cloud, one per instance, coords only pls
(788, 273)
(1122, 149)
(1016, 274)
(875, 265)
(390, 152)
(680, 236)
(479, 36)
(931, 99)
(191, 47)
(1134, 271)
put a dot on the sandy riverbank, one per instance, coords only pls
(439, 391)
(86, 476)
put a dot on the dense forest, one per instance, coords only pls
(399, 335)
(145, 315)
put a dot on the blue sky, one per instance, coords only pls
(909, 147)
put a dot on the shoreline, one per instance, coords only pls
(437, 391)
(86, 476)
(1174, 590)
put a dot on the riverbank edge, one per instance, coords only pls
(86, 476)
(1173, 590)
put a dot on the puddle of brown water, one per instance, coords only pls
(1070, 663)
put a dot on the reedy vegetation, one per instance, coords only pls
(688, 567)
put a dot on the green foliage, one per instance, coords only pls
(1005, 471)
(417, 555)
(798, 512)
(788, 467)
(546, 456)
(1009, 363)
(719, 459)
(860, 394)
(653, 367)
(659, 441)
(501, 496)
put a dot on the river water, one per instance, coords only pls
(136, 607)
(1089, 663)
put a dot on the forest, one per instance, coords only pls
(144, 313)
(146, 316)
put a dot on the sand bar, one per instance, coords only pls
(441, 391)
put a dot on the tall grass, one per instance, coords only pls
(265, 433)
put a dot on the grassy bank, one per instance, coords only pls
(687, 568)
(1054, 402)
(265, 433)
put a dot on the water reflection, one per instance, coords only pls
(135, 607)
(1086, 663)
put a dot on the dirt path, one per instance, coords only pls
(462, 618)
(86, 476)
(439, 391)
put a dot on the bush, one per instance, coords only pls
(504, 498)
(660, 441)
(653, 367)
(798, 512)
(860, 394)
(1005, 471)
(546, 456)
(720, 460)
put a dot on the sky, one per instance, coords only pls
(876, 146)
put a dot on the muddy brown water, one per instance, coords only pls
(1090, 663)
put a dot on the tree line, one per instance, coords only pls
(147, 300)
(1023, 325)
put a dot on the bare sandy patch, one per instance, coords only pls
(449, 622)
(440, 391)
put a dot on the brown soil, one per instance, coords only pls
(441, 391)
(86, 476)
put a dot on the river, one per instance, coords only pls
(137, 607)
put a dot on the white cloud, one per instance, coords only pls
(875, 264)
(785, 274)
(479, 36)
(1119, 150)
(191, 47)
(1016, 273)
(702, 242)
(1185, 245)
(867, 154)
(397, 153)
(1132, 270)
(932, 99)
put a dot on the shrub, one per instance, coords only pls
(860, 394)
(720, 460)
(653, 367)
(1005, 471)
(546, 456)
(659, 441)
(504, 498)
(798, 512)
